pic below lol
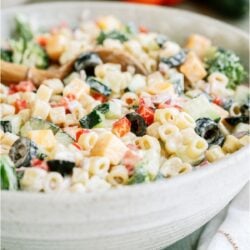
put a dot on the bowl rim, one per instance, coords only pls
(139, 188)
(124, 5)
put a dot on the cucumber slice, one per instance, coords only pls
(93, 119)
(14, 122)
(64, 138)
(111, 109)
(103, 108)
(98, 86)
(200, 107)
(38, 124)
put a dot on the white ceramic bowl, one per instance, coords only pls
(146, 216)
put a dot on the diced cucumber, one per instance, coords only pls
(111, 109)
(93, 119)
(64, 138)
(103, 108)
(98, 86)
(242, 94)
(200, 107)
(38, 124)
(15, 123)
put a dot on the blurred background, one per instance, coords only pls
(234, 12)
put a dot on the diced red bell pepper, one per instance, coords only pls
(99, 97)
(143, 29)
(80, 132)
(217, 100)
(121, 127)
(130, 159)
(37, 163)
(146, 113)
(42, 40)
(64, 102)
(20, 104)
(76, 145)
(23, 86)
(71, 97)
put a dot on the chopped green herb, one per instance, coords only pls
(140, 175)
(116, 35)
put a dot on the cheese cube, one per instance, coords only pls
(11, 99)
(76, 87)
(110, 146)
(193, 69)
(29, 97)
(8, 139)
(41, 109)
(57, 115)
(161, 87)
(44, 93)
(6, 109)
(199, 44)
(55, 84)
(43, 138)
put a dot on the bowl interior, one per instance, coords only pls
(176, 24)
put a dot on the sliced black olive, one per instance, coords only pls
(209, 130)
(233, 121)
(6, 126)
(22, 152)
(61, 166)
(98, 86)
(175, 60)
(245, 109)
(87, 62)
(138, 124)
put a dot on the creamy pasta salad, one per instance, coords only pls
(104, 126)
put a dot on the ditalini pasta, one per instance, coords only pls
(107, 125)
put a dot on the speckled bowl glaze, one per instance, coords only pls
(146, 216)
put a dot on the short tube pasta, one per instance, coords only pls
(147, 142)
(130, 99)
(214, 153)
(88, 140)
(53, 182)
(184, 120)
(118, 175)
(99, 166)
(33, 179)
(167, 115)
(174, 166)
(231, 144)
